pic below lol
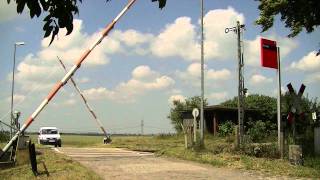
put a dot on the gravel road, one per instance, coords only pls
(122, 164)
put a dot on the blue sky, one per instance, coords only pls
(150, 58)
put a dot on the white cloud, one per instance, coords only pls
(222, 74)
(309, 62)
(7, 11)
(132, 37)
(313, 78)
(218, 96)
(275, 91)
(218, 44)
(177, 97)
(193, 72)
(83, 80)
(70, 48)
(127, 92)
(98, 93)
(177, 39)
(258, 79)
(181, 39)
(41, 70)
(143, 72)
(17, 98)
(35, 74)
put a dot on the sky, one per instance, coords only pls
(151, 58)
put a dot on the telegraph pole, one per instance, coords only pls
(241, 90)
(240, 85)
(202, 79)
(12, 86)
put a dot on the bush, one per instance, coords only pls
(226, 128)
(258, 131)
(265, 150)
(4, 136)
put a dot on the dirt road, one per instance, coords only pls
(115, 163)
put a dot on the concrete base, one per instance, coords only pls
(22, 144)
(295, 154)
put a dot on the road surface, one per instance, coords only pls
(122, 164)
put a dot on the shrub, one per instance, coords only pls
(4, 136)
(258, 131)
(226, 128)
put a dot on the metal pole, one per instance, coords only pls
(67, 76)
(280, 132)
(240, 85)
(85, 101)
(194, 129)
(202, 79)
(12, 88)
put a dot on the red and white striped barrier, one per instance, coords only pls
(85, 101)
(67, 76)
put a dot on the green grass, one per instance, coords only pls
(59, 167)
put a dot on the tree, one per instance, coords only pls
(59, 13)
(265, 105)
(178, 107)
(297, 15)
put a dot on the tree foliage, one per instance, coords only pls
(178, 107)
(265, 105)
(59, 13)
(265, 125)
(296, 14)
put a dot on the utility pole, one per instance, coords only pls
(240, 85)
(280, 126)
(12, 85)
(202, 79)
(241, 90)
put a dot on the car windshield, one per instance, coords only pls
(49, 131)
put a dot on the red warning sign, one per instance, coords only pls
(269, 53)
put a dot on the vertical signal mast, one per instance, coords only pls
(241, 90)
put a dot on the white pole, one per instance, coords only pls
(202, 79)
(194, 129)
(280, 135)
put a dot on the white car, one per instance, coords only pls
(49, 135)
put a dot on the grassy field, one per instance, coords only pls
(59, 167)
(218, 152)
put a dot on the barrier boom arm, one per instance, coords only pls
(67, 76)
(85, 101)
